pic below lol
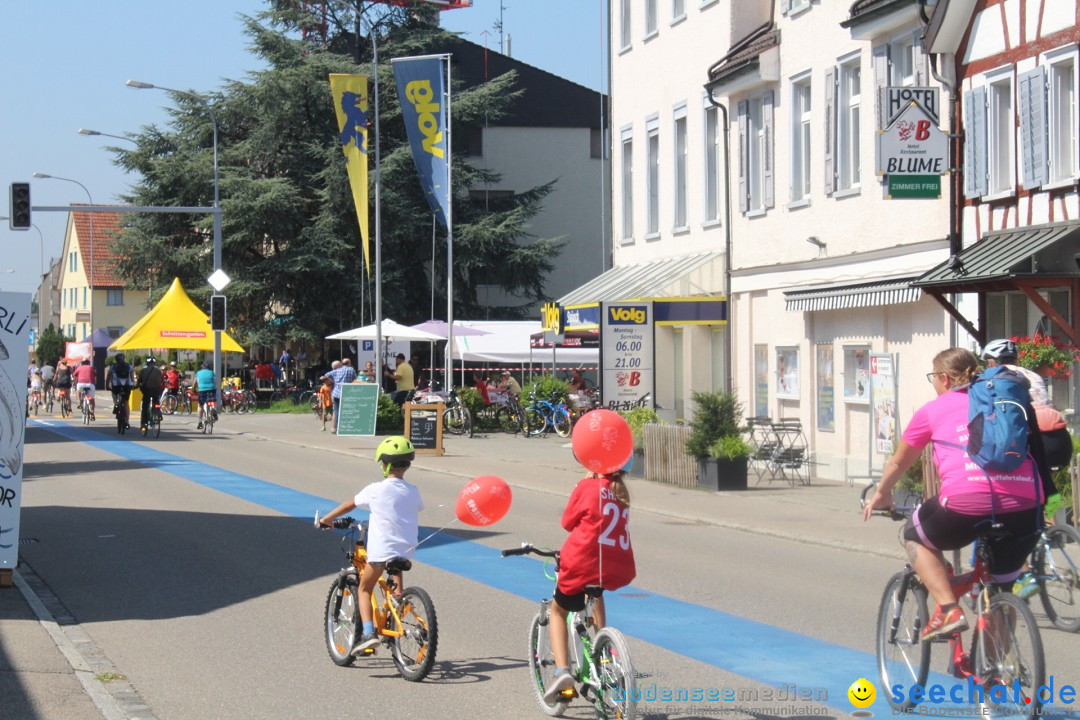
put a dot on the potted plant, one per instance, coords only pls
(1047, 355)
(716, 440)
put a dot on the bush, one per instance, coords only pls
(637, 419)
(716, 415)
(471, 399)
(1063, 478)
(730, 447)
(548, 387)
(389, 418)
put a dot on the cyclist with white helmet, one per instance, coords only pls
(394, 527)
(1004, 352)
(150, 383)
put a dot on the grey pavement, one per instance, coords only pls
(50, 669)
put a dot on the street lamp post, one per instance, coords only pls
(217, 208)
(85, 131)
(89, 265)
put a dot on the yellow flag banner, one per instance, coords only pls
(351, 107)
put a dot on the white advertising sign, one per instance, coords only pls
(897, 98)
(14, 336)
(913, 145)
(626, 352)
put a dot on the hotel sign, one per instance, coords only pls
(913, 145)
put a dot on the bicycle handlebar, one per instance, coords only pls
(529, 549)
(341, 523)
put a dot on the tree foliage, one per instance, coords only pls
(291, 242)
(51, 345)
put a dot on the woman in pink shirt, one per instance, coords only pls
(969, 498)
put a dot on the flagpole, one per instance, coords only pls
(378, 220)
(449, 236)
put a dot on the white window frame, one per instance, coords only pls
(680, 169)
(907, 43)
(848, 149)
(625, 24)
(711, 162)
(794, 7)
(998, 136)
(652, 18)
(678, 11)
(756, 154)
(1055, 126)
(800, 184)
(626, 157)
(652, 177)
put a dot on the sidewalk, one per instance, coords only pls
(50, 669)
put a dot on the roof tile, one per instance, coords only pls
(97, 232)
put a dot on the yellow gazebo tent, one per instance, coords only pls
(175, 323)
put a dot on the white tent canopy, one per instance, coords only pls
(508, 342)
(390, 331)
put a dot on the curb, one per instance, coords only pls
(115, 698)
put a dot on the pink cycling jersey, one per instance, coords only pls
(965, 487)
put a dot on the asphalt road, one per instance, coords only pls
(191, 562)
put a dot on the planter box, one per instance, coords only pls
(716, 474)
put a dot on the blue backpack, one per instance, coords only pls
(998, 405)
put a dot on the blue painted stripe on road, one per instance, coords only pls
(760, 652)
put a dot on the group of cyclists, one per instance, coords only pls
(121, 378)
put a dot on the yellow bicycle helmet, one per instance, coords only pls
(395, 451)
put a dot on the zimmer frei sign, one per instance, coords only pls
(913, 153)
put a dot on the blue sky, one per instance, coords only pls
(65, 63)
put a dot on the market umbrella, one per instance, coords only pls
(439, 327)
(390, 329)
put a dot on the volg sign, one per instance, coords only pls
(912, 145)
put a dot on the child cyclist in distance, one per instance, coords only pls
(597, 553)
(393, 528)
(326, 401)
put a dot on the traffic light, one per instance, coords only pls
(19, 202)
(217, 312)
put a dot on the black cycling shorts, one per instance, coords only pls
(939, 528)
(575, 602)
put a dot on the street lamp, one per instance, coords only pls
(84, 131)
(88, 264)
(41, 245)
(217, 209)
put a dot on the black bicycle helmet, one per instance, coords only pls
(205, 365)
(151, 360)
(1003, 350)
(119, 357)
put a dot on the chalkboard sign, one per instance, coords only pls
(423, 427)
(357, 411)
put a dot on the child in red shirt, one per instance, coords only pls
(597, 553)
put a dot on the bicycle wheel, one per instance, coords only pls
(341, 625)
(1057, 568)
(168, 404)
(414, 651)
(121, 420)
(1008, 651)
(454, 421)
(86, 412)
(507, 420)
(903, 658)
(252, 400)
(534, 423)
(560, 422)
(542, 663)
(618, 684)
(276, 396)
(156, 425)
(65, 407)
(315, 403)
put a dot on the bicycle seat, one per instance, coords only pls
(398, 564)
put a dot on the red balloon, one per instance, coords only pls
(483, 501)
(602, 441)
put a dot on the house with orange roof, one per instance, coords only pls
(92, 294)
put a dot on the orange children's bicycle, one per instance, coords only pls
(404, 618)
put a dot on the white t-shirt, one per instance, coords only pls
(1038, 393)
(394, 527)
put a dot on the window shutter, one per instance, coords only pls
(880, 62)
(919, 60)
(975, 180)
(744, 111)
(1033, 131)
(830, 130)
(767, 121)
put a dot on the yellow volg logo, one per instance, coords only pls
(420, 95)
(552, 317)
(627, 315)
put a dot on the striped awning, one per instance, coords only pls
(883, 291)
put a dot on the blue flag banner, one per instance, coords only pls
(421, 88)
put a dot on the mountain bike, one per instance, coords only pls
(87, 413)
(120, 403)
(209, 417)
(599, 661)
(405, 619)
(543, 414)
(1055, 565)
(65, 401)
(49, 400)
(1005, 661)
(153, 423)
(457, 420)
(33, 402)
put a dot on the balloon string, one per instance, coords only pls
(434, 534)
